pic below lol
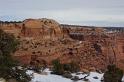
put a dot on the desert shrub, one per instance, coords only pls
(113, 74)
(74, 67)
(60, 69)
(19, 74)
(57, 67)
(71, 67)
(67, 67)
(8, 45)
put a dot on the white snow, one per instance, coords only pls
(56, 78)
(94, 74)
(2, 80)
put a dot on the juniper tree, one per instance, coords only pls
(113, 74)
(8, 70)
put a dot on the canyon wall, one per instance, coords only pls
(44, 40)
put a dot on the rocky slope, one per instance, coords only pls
(44, 40)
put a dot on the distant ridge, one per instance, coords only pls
(67, 25)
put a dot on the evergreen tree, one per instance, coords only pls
(57, 67)
(113, 74)
(8, 45)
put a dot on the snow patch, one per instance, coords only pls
(56, 78)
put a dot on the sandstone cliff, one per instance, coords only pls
(41, 28)
(44, 40)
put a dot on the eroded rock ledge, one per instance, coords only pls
(44, 40)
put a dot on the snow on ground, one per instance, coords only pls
(91, 76)
(56, 78)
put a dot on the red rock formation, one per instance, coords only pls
(23, 57)
(39, 42)
(120, 50)
(95, 51)
(41, 28)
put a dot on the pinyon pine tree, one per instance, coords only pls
(8, 67)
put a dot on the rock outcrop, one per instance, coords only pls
(44, 40)
(34, 28)
(91, 52)
(41, 28)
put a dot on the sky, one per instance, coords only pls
(79, 12)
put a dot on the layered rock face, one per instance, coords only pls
(13, 28)
(111, 43)
(41, 28)
(34, 28)
(44, 40)
(90, 53)
(120, 50)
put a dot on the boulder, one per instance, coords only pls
(95, 77)
(67, 75)
(75, 78)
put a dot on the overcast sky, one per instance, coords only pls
(83, 12)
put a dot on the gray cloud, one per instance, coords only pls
(104, 12)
